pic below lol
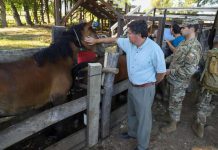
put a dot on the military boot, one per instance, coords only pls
(170, 127)
(198, 129)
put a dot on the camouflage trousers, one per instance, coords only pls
(175, 95)
(205, 106)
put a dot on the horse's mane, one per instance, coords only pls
(60, 49)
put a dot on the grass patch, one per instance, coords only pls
(24, 37)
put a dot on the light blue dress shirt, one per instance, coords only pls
(143, 62)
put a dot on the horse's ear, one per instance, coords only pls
(89, 24)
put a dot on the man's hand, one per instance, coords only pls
(90, 40)
(160, 77)
(168, 72)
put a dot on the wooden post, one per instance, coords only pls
(120, 27)
(112, 60)
(57, 12)
(93, 106)
(160, 30)
(154, 13)
(57, 32)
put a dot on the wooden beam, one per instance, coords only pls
(70, 142)
(76, 5)
(96, 6)
(160, 32)
(32, 125)
(143, 18)
(93, 103)
(120, 87)
(120, 26)
(93, 11)
(112, 60)
(205, 9)
(14, 55)
(111, 8)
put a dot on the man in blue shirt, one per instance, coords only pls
(146, 66)
(176, 32)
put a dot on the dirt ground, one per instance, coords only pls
(182, 139)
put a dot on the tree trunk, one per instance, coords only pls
(47, 10)
(71, 5)
(27, 13)
(3, 14)
(16, 15)
(35, 14)
(42, 12)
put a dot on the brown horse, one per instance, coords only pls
(45, 77)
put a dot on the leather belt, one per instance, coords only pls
(143, 85)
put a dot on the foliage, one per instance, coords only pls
(161, 3)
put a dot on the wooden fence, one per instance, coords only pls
(85, 137)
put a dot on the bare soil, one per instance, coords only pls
(182, 139)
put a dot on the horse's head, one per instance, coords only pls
(79, 33)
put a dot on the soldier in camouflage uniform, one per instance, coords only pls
(206, 104)
(183, 64)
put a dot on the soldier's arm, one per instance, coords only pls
(169, 59)
(190, 65)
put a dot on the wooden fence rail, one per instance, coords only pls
(34, 124)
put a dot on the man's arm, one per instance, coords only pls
(160, 77)
(92, 41)
(172, 48)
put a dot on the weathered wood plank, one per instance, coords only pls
(120, 87)
(93, 103)
(160, 30)
(112, 60)
(40, 121)
(151, 18)
(70, 142)
(14, 55)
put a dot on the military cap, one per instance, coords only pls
(190, 21)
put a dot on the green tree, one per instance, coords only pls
(161, 3)
(26, 7)
(3, 14)
(14, 5)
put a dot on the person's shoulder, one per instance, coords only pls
(155, 48)
(123, 40)
(182, 38)
(196, 44)
(152, 43)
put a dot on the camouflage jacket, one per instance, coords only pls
(184, 62)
